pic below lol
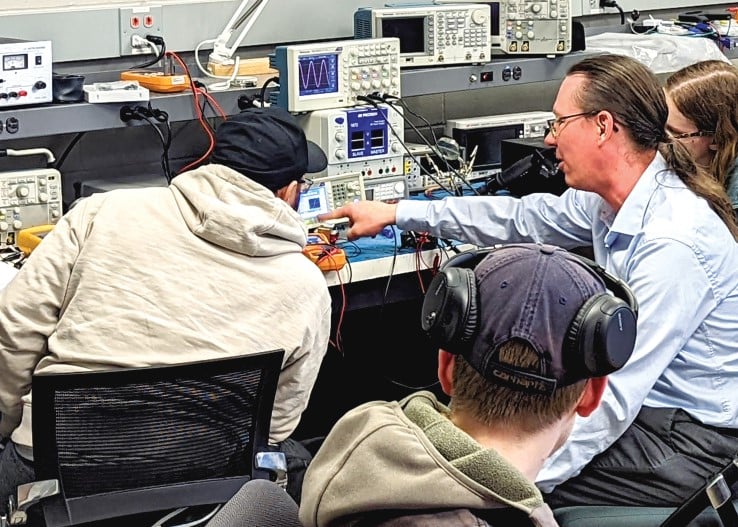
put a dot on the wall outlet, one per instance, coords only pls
(141, 21)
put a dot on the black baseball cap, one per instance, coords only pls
(268, 146)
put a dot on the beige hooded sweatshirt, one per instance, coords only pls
(209, 267)
(406, 464)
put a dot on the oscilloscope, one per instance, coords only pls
(527, 27)
(327, 75)
(430, 35)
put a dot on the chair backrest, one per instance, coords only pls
(145, 439)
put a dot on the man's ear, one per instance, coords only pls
(446, 363)
(590, 399)
(289, 194)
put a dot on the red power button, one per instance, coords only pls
(22, 93)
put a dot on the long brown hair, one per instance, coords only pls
(706, 93)
(632, 93)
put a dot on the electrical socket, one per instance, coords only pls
(141, 21)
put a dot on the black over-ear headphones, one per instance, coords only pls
(600, 338)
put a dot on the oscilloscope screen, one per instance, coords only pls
(318, 74)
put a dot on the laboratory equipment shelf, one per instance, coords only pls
(53, 119)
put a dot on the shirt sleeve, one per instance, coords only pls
(667, 317)
(564, 220)
(29, 312)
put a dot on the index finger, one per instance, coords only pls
(340, 212)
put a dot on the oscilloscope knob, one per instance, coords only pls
(340, 137)
(43, 197)
(479, 17)
(536, 8)
(340, 154)
(4, 225)
(395, 148)
(400, 187)
(17, 224)
(22, 191)
(356, 86)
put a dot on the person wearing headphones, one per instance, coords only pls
(527, 334)
(661, 223)
(703, 115)
(209, 267)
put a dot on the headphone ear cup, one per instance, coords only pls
(602, 335)
(449, 313)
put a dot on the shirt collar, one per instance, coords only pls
(629, 219)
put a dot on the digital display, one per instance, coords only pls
(357, 141)
(15, 62)
(369, 132)
(318, 74)
(410, 31)
(378, 138)
(488, 142)
(313, 201)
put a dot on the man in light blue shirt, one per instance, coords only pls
(669, 418)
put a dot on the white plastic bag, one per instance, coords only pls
(661, 53)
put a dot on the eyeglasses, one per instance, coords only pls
(306, 184)
(687, 135)
(554, 125)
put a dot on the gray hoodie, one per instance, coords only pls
(209, 267)
(408, 456)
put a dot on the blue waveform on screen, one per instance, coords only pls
(315, 74)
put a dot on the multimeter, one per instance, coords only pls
(28, 239)
(157, 81)
(322, 253)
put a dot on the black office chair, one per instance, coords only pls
(138, 440)
(713, 505)
(259, 503)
